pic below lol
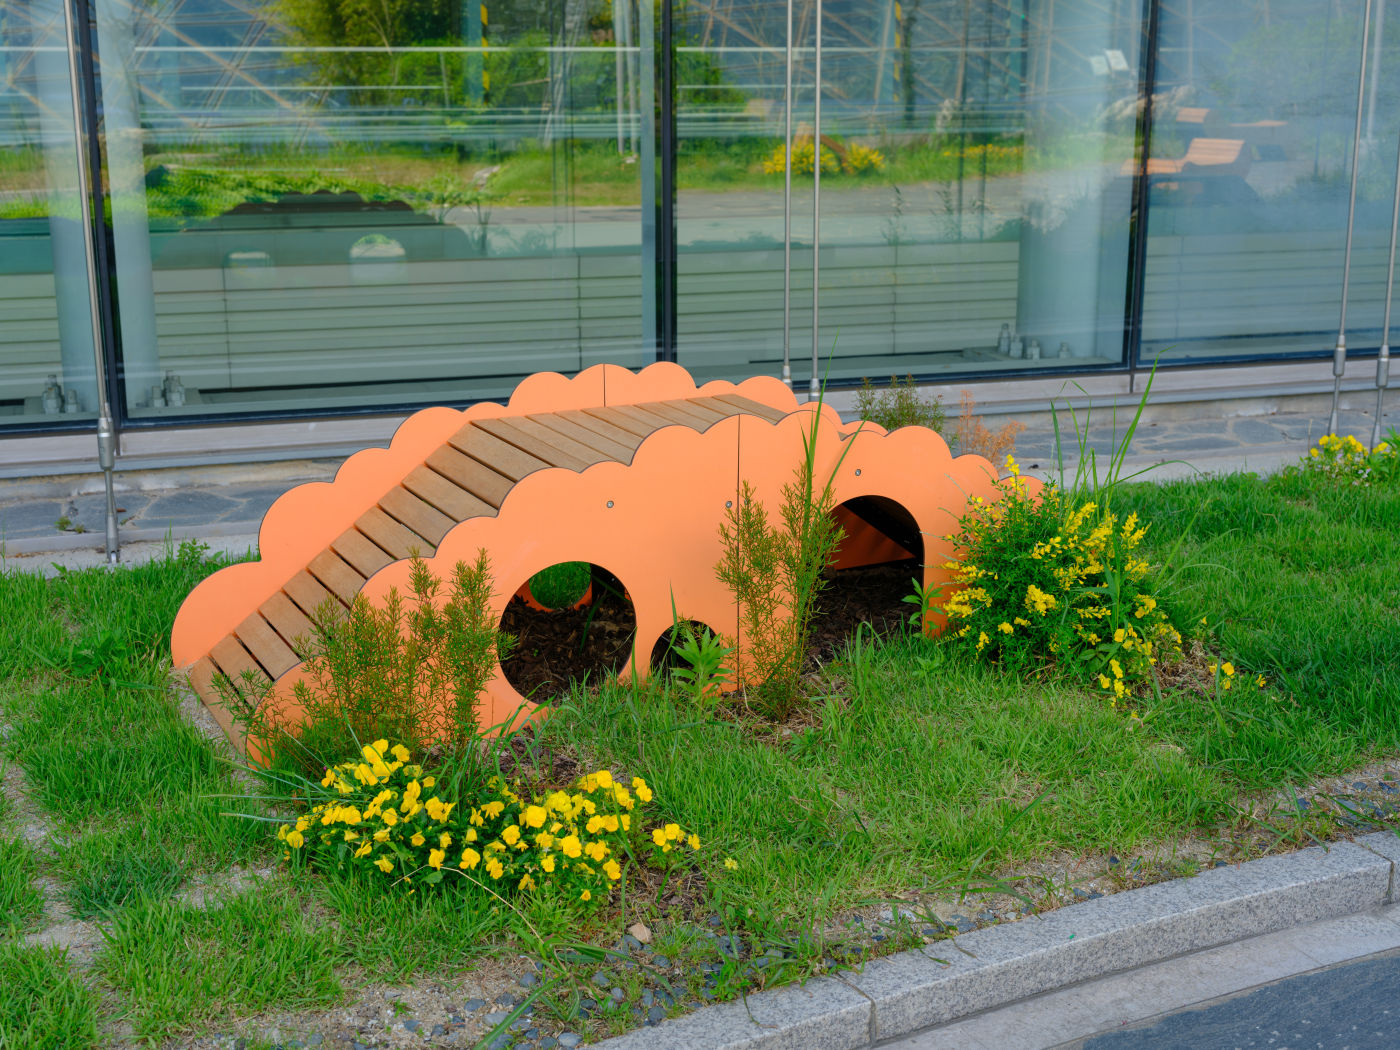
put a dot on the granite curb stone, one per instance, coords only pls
(997, 965)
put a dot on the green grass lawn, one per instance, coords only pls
(915, 774)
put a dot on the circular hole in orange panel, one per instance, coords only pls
(880, 557)
(556, 647)
(666, 653)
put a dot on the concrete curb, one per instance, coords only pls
(64, 542)
(998, 965)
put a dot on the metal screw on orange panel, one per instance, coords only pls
(729, 503)
(610, 504)
(857, 471)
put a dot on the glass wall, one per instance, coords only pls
(319, 205)
(47, 369)
(976, 184)
(327, 206)
(1249, 175)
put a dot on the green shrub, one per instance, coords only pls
(900, 405)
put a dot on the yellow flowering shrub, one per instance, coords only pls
(1346, 459)
(384, 815)
(1040, 582)
(804, 155)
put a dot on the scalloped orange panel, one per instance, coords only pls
(629, 471)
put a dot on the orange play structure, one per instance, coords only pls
(632, 472)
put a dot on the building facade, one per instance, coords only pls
(311, 209)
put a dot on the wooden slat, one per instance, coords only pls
(652, 420)
(423, 519)
(476, 477)
(232, 659)
(202, 682)
(307, 592)
(503, 457)
(713, 410)
(751, 406)
(336, 574)
(541, 442)
(600, 443)
(273, 655)
(391, 536)
(614, 416)
(453, 500)
(678, 412)
(626, 438)
(291, 624)
(363, 555)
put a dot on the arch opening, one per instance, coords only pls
(880, 557)
(555, 647)
(665, 654)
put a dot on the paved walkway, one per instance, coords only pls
(48, 520)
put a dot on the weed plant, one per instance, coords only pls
(42, 1002)
(412, 669)
(776, 574)
(899, 405)
(20, 900)
(972, 437)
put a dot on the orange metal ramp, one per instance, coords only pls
(629, 471)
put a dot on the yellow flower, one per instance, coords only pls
(391, 817)
(362, 850)
(594, 825)
(328, 779)
(417, 839)
(492, 809)
(640, 787)
(604, 778)
(1260, 681)
(1005, 628)
(610, 822)
(535, 816)
(1229, 669)
(731, 864)
(613, 870)
(658, 836)
(544, 840)
(548, 862)
(384, 864)
(694, 841)
(350, 815)
(382, 835)
(586, 895)
(494, 868)
(526, 882)
(596, 850)
(400, 752)
(571, 846)
(470, 858)
(295, 840)
(444, 840)
(440, 810)
(411, 793)
(435, 858)
(429, 781)
(673, 832)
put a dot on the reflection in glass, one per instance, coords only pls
(46, 352)
(975, 205)
(316, 204)
(1250, 172)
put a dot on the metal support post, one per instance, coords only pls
(1339, 353)
(106, 430)
(814, 387)
(1383, 358)
(787, 203)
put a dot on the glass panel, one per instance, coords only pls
(1250, 172)
(46, 355)
(976, 189)
(316, 206)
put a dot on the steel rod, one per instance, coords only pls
(1383, 357)
(1339, 353)
(814, 387)
(787, 204)
(106, 431)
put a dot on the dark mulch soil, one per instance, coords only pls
(873, 595)
(554, 646)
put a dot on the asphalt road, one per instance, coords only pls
(1353, 1006)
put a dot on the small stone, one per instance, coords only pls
(528, 981)
(315, 1040)
(532, 1033)
(1081, 894)
(877, 937)
(548, 1043)
(1113, 862)
(656, 1013)
(630, 943)
(569, 1039)
(640, 932)
(495, 1017)
(1222, 863)
(707, 993)
(471, 1006)
(499, 1043)
(1304, 804)
(617, 995)
(1388, 788)
(601, 979)
(1359, 785)
(454, 1018)
(520, 1024)
(713, 920)
(648, 996)
(505, 1000)
(438, 1030)
(412, 1024)
(661, 961)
